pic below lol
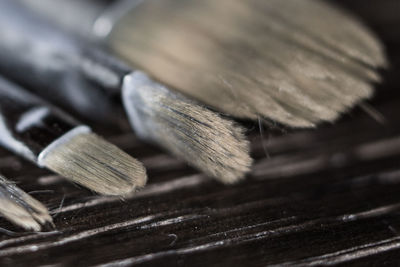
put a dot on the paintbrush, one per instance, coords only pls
(203, 138)
(299, 63)
(22, 209)
(50, 138)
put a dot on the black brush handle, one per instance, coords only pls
(53, 63)
(28, 124)
(103, 69)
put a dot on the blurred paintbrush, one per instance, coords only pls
(296, 62)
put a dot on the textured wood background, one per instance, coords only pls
(323, 196)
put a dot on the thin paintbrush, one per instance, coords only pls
(22, 209)
(201, 137)
(49, 138)
(297, 62)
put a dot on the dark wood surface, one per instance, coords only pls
(325, 196)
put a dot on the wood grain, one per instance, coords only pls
(325, 196)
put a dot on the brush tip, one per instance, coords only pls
(92, 162)
(22, 209)
(190, 131)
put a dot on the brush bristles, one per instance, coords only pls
(92, 162)
(299, 63)
(201, 137)
(22, 209)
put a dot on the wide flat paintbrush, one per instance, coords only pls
(49, 138)
(22, 209)
(196, 134)
(296, 62)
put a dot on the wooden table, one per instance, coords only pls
(330, 195)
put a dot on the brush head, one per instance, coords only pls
(299, 63)
(22, 209)
(92, 162)
(203, 138)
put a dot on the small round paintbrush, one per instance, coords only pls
(22, 209)
(201, 137)
(297, 62)
(48, 137)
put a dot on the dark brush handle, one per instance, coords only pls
(28, 124)
(103, 69)
(54, 64)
